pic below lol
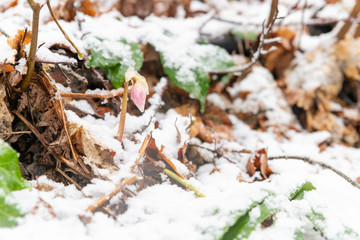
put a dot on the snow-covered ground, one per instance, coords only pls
(166, 211)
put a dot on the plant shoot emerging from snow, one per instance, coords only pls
(139, 91)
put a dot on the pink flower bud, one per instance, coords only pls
(139, 89)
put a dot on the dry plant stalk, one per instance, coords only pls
(111, 94)
(106, 197)
(81, 56)
(273, 10)
(36, 7)
(141, 152)
(345, 28)
(123, 112)
(321, 164)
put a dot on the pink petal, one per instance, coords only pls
(138, 96)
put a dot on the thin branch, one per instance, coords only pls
(218, 154)
(81, 56)
(106, 197)
(256, 56)
(345, 28)
(4, 33)
(64, 120)
(321, 164)
(141, 152)
(36, 7)
(109, 94)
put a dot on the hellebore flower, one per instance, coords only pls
(139, 89)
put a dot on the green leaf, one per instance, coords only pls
(252, 36)
(245, 224)
(188, 68)
(298, 235)
(9, 212)
(10, 175)
(116, 57)
(319, 222)
(298, 194)
(10, 180)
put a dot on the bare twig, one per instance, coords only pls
(141, 152)
(357, 31)
(321, 164)
(81, 56)
(106, 197)
(218, 154)
(63, 117)
(4, 33)
(13, 133)
(105, 82)
(256, 56)
(345, 28)
(68, 178)
(110, 94)
(302, 24)
(36, 7)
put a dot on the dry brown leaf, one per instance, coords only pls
(6, 117)
(87, 7)
(279, 59)
(6, 68)
(143, 8)
(187, 109)
(16, 41)
(358, 180)
(96, 154)
(259, 162)
(183, 159)
(11, 4)
(66, 11)
(155, 156)
(332, 1)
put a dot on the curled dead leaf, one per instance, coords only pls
(155, 156)
(259, 162)
(96, 154)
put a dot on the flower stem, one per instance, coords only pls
(183, 182)
(123, 111)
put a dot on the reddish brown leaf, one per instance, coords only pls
(155, 155)
(259, 162)
(88, 8)
(358, 180)
(6, 68)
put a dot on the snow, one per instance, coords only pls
(166, 211)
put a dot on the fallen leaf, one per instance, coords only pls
(6, 117)
(16, 41)
(97, 155)
(279, 59)
(155, 155)
(87, 7)
(259, 162)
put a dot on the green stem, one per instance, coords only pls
(183, 182)
(123, 112)
(81, 56)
